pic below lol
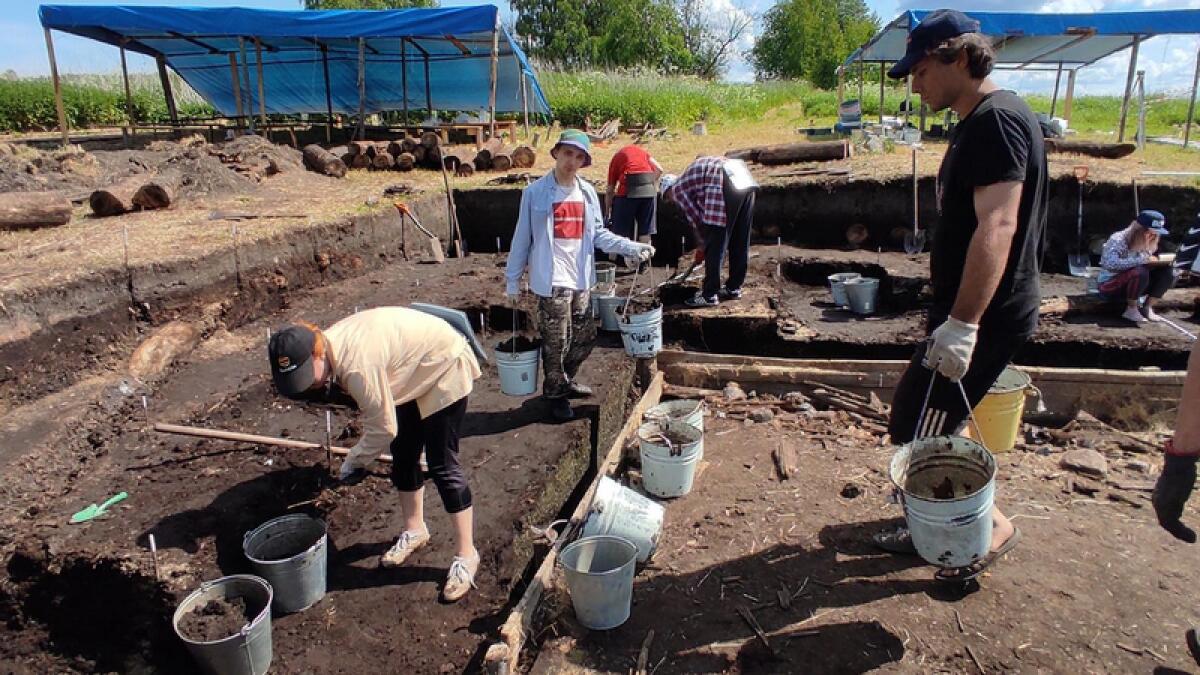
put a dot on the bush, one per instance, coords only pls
(28, 105)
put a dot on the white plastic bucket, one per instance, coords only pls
(609, 308)
(599, 573)
(518, 371)
(861, 293)
(642, 333)
(837, 289)
(1093, 280)
(606, 273)
(669, 469)
(600, 291)
(689, 411)
(947, 485)
(621, 512)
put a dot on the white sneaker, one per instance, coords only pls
(461, 578)
(408, 543)
(1150, 314)
(1134, 315)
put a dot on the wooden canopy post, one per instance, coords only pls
(237, 85)
(328, 95)
(882, 77)
(1187, 127)
(907, 98)
(165, 79)
(129, 118)
(1069, 99)
(1137, 39)
(492, 92)
(362, 89)
(58, 96)
(428, 86)
(1139, 134)
(404, 76)
(524, 101)
(246, 81)
(262, 98)
(1054, 98)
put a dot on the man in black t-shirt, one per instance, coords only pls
(984, 259)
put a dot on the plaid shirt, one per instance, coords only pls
(700, 192)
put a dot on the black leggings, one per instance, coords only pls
(438, 435)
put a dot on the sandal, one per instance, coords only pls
(895, 541)
(980, 566)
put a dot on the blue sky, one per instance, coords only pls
(1168, 60)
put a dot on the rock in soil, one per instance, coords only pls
(1085, 461)
(1138, 466)
(733, 392)
(850, 491)
(217, 619)
(762, 415)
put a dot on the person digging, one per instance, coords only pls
(410, 374)
(984, 260)
(559, 227)
(1132, 269)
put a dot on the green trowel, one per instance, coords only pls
(93, 511)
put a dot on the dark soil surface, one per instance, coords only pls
(217, 619)
(198, 497)
(518, 344)
(1094, 586)
(797, 317)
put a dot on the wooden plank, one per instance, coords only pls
(516, 627)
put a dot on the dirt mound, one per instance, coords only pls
(25, 169)
(255, 157)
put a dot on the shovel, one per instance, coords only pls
(914, 242)
(435, 245)
(1079, 261)
(93, 511)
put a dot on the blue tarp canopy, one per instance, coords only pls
(437, 59)
(1024, 40)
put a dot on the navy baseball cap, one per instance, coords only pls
(937, 27)
(291, 359)
(1153, 221)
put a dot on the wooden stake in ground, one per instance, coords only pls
(329, 440)
(455, 230)
(786, 462)
(30, 210)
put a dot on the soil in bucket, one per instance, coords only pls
(642, 305)
(518, 344)
(946, 480)
(217, 619)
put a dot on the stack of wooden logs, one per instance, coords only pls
(426, 152)
(141, 192)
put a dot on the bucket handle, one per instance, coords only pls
(925, 407)
(548, 532)
(1032, 390)
(671, 449)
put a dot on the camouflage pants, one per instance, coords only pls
(568, 336)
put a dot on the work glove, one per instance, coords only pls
(348, 469)
(645, 252)
(950, 347)
(1171, 493)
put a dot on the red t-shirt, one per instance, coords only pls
(629, 159)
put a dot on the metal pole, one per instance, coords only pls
(58, 97)
(1141, 123)
(262, 97)
(404, 76)
(882, 77)
(492, 93)
(1128, 88)
(1070, 98)
(524, 102)
(237, 86)
(1054, 99)
(1187, 128)
(428, 88)
(246, 81)
(165, 79)
(362, 89)
(328, 95)
(128, 94)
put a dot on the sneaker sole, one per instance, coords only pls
(384, 562)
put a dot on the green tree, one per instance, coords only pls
(367, 4)
(586, 33)
(809, 39)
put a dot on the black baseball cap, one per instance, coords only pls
(291, 351)
(937, 27)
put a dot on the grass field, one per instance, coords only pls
(636, 98)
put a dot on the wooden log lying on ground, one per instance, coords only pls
(433, 158)
(792, 153)
(405, 161)
(408, 144)
(1091, 149)
(430, 139)
(324, 162)
(455, 156)
(360, 162)
(383, 161)
(363, 148)
(116, 199)
(159, 191)
(418, 153)
(483, 158)
(29, 210)
(523, 157)
(465, 170)
(502, 160)
(339, 150)
(394, 148)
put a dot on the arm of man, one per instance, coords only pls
(518, 252)
(996, 208)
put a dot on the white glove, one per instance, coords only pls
(347, 469)
(950, 347)
(645, 252)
